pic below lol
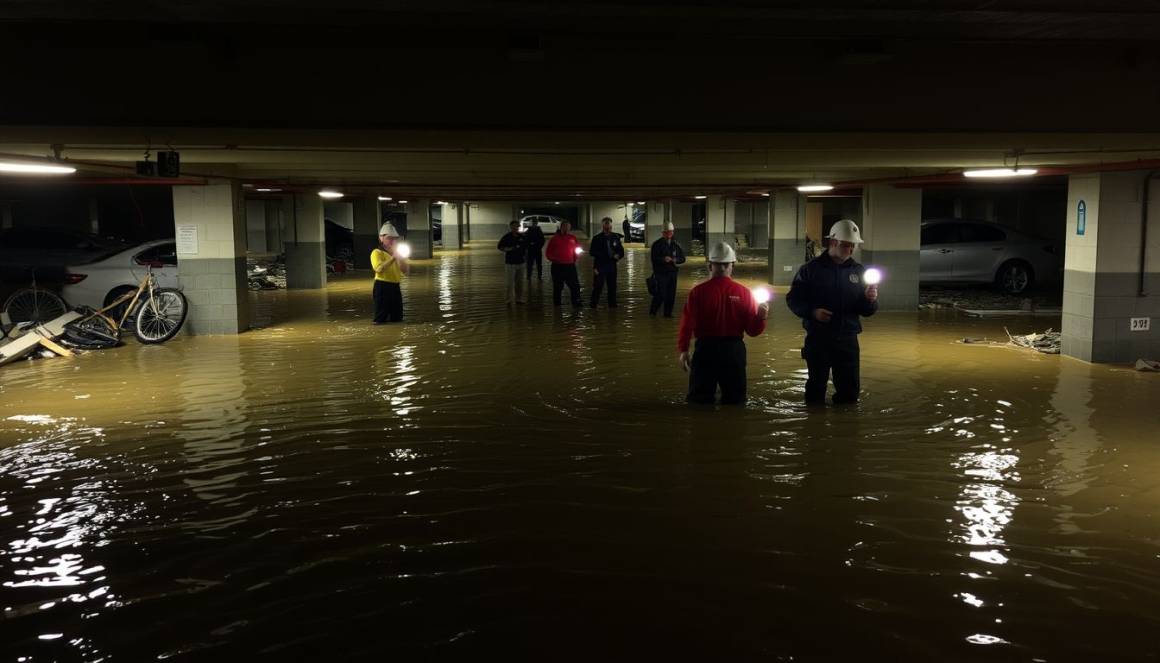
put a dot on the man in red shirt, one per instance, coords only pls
(718, 313)
(563, 250)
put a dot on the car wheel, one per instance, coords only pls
(1015, 277)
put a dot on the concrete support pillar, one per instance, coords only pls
(656, 213)
(606, 208)
(753, 220)
(418, 233)
(489, 221)
(305, 243)
(786, 235)
(210, 222)
(681, 214)
(275, 222)
(891, 225)
(453, 225)
(5, 215)
(368, 217)
(256, 225)
(1101, 280)
(719, 222)
(94, 216)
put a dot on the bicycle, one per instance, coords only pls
(157, 314)
(30, 306)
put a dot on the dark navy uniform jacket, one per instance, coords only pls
(606, 249)
(821, 283)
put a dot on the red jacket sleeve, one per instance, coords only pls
(685, 330)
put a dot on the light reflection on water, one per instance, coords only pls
(529, 481)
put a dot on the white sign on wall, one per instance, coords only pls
(187, 240)
(1140, 324)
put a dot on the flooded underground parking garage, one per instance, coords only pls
(270, 389)
(527, 481)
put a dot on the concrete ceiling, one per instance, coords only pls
(631, 99)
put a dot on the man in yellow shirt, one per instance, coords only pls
(389, 268)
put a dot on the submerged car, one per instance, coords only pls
(962, 251)
(98, 283)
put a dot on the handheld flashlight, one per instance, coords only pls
(579, 250)
(872, 276)
(403, 250)
(762, 295)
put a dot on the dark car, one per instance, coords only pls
(964, 251)
(47, 250)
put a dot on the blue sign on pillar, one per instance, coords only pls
(1081, 218)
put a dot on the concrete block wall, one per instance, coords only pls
(305, 243)
(786, 236)
(489, 221)
(656, 215)
(719, 222)
(681, 214)
(367, 220)
(891, 228)
(1101, 269)
(418, 234)
(452, 236)
(213, 277)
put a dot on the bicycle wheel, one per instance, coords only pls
(160, 317)
(32, 305)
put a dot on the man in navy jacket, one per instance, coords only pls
(829, 294)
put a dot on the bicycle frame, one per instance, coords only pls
(131, 297)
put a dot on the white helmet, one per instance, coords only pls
(722, 252)
(388, 229)
(669, 227)
(846, 231)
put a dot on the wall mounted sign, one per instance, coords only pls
(1081, 218)
(187, 240)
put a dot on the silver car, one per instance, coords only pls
(955, 250)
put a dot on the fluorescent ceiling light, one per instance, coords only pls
(440, 202)
(640, 202)
(402, 202)
(1000, 172)
(35, 169)
(700, 197)
(267, 190)
(813, 188)
(386, 198)
(330, 194)
(766, 194)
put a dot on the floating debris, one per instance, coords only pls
(1149, 365)
(266, 274)
(1048, 342)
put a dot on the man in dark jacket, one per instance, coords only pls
(829, 294)
(606, 250)
(514, 244)
(535, 236)
(666, 255)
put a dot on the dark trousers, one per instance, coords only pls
(605, 275)
(717, 362)
(565, 275)
(839, 354)
(666, 294)
(535, 257)
(388, 302)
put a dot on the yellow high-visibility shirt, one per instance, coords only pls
(392, 274)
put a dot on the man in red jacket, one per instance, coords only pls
(718, 313)
(563, 250)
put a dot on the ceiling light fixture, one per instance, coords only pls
(386, 199)
(267, 190)
(700, 197)
(34, 169)
(402, 202)
(814, 188)
(1000, 172)
(330, 195)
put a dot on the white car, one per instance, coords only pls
(549, 224)
(96, 284)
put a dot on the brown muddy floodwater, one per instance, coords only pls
(528, 484)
